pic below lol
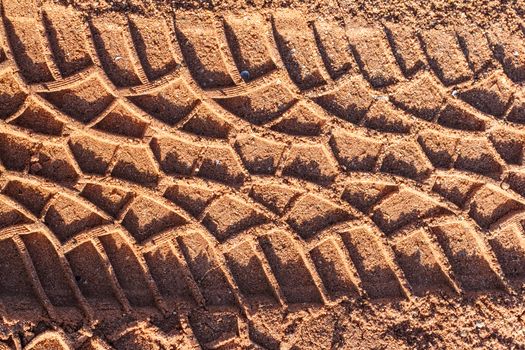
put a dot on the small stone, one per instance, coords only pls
(36, 167)
(381, 97)
(505, 185)
(245, 75)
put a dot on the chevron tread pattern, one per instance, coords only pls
(140, 170)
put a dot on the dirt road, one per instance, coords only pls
(261, 175)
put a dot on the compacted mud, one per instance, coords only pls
(262, 175)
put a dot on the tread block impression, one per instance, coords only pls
(311, 214)
(516, 182)
(510, 51)
(406, 159)
(509, 144)
(311, 162)
(135, 164)
(489, 204)
(9, 216)
(333, 268)
(490, 95)
(245, 39)
(349, 102)
(92, 154)
(16, 151)
(363, 195)
(229, 215)
(256, 284)
(128, 271)
(149, 38)
(110, 37)
(407, 48)
(146, 218)
(204, 122)
(220, 163)
(468, 260)
(420, 96)
(168, 273)
(261, 105)
(39, 120)
(405, 207)
(475, 45)
(509, 247)
(445, 56)
(27, 44)
(66, 217)
(370, 259)
(332, 43)
(12, 96)
(69, 45)
(477, 155)
(170, 104)
(274, 197)
(456, 188)
(259, 155)
(382, 116)
(438, 147)
(32, 196)
(121, 121)
(206, 270)
(373, 54)
(83, 102)
(301, 121)
(111, 199)
(15, 282)
(516, 113)
(175, 155)
(199, 42)
(353, 152)
(455, 117)
(47, 263)
(53, 162)
(294, 277)
(191, 198)
(419, 261)
(296, 43)
(92, 276)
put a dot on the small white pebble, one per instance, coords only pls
(505, 185)
(381, 97)
(455, 93)
(117, 58)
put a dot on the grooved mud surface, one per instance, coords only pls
(264, 176)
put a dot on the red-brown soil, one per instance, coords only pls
(262, 175)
